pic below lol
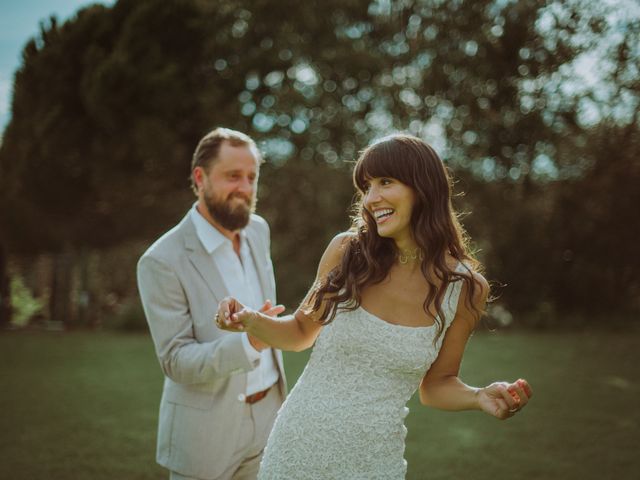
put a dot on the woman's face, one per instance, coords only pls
(390, 202)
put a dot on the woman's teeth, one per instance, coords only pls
(384, 213)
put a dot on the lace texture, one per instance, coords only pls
(344, 419)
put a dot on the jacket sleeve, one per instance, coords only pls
(182, 357)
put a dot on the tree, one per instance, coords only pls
(113, 101)
(69, 182)
(112, 107)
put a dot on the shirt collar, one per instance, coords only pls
(210, 237)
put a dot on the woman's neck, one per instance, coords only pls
(409, 253)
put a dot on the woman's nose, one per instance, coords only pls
(372, 196)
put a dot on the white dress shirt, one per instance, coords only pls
(241, 279)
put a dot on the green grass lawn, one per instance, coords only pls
(84, 406)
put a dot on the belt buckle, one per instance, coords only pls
(256, 397)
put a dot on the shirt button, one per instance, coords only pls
(242, 397)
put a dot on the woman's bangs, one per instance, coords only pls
(372, 164)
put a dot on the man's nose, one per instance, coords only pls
(246, 186)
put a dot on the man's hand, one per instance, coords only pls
(273, 311)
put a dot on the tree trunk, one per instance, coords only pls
(84, 297)
(60, 307)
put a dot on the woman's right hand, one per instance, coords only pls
(226, 309)
(235, 317)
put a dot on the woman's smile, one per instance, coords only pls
(390, 202)
(383, 214)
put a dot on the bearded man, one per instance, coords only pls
(221, 390)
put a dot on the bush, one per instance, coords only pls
(129, 317)
(24, 305)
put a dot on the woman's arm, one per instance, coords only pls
(293, 332)
(441, 388)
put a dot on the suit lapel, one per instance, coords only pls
(203, 262)
(256, 248)
(259, 262)
(206, 267)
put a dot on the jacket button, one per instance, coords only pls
(242, 397)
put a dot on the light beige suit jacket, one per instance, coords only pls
(205, 368)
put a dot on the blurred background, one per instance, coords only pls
(534, 106)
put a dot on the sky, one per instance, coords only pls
(19, 21)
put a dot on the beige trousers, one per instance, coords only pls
(256, 423)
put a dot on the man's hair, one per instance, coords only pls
(206, 152)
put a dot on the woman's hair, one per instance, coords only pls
(368, 257)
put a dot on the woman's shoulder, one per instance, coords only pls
(341, 241)
(336, 249)
(477, 298)
(483, 292)
(469, 268)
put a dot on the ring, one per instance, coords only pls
(513, 410)
(217, 319)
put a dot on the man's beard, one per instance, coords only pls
(229, 217)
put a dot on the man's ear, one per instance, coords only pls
(198, 177)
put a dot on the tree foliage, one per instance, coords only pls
(108, 107)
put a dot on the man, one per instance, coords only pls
(221, 390)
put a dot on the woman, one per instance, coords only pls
(395, 301)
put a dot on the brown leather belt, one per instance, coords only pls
(256, 397)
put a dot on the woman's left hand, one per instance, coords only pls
(503, 400)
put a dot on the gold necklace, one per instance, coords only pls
(404, 256)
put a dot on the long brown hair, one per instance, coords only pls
(368, 257)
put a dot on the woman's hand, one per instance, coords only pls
(503, 400)
(226, 308)
(233, 316)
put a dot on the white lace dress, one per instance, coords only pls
(344, 419)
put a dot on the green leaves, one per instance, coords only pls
(109, 106)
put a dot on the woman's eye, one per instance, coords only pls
(385, 181)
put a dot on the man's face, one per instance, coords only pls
(228, 190)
